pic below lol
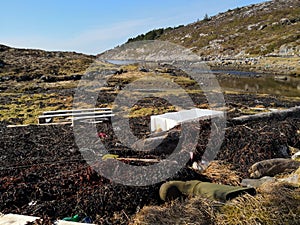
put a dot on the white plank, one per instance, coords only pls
(75, 110)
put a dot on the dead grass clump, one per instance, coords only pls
(222, 173)
(275, 204)
(192, 211)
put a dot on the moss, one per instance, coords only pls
(26, 108)
(148, 111)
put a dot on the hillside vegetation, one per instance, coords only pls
(30, 64)
(270, 29)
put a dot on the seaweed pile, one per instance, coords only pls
(43, 173)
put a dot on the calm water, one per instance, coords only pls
(250, 82)
(266, 84)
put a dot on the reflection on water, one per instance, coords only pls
(120, 62)
(249, 82)
(261, 84)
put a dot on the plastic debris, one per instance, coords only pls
(102, 135)
(73, 219)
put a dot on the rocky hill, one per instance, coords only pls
(29, 64)
(33, 81)
(269, 29)
(272, 27)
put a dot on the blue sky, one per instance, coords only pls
(93, 26)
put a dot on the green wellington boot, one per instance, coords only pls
(174, 189)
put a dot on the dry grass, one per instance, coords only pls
(222, 173)
(193, 211)
(276, 203)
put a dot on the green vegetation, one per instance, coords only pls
(254, 30)
(153, 34)
(206, 18)
(25, 108)
(148, 111)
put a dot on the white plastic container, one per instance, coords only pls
(167, 121)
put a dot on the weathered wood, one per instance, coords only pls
(79, 114)
(139, 160)
(280, 115)
(75, 111)
(272, 167)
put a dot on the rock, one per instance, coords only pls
(262, 27)
(76, 77)
(144, 70)
(289, 50)
(257, 182)
(281, 78)
(296, 156)
(284, 151)
(48, 78)
(253, 26)
(285, 21)
(293, 150)
(293, 179)
(295, 20)
(24, 78)
(7, 78)
(2, 63)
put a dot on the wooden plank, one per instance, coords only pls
(139, 160)
(76, 114)
(280, 114)
(75, 111)
(92, 117)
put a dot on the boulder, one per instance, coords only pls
(285, 21)
(262, 27)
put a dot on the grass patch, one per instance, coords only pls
(25, 108)
(148, 111)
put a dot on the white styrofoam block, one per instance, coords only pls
(167, 121)
(62, 222)
(15, 219)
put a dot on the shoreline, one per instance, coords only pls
(288, 66)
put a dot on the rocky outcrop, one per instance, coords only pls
(270, 27)
(28, 64)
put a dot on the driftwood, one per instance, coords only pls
(280, 115)
(139, 160)
(272, 167)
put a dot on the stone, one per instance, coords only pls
(296, 156)
(262, 27)
(257, 182)
(285, 21)
(293, 179)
